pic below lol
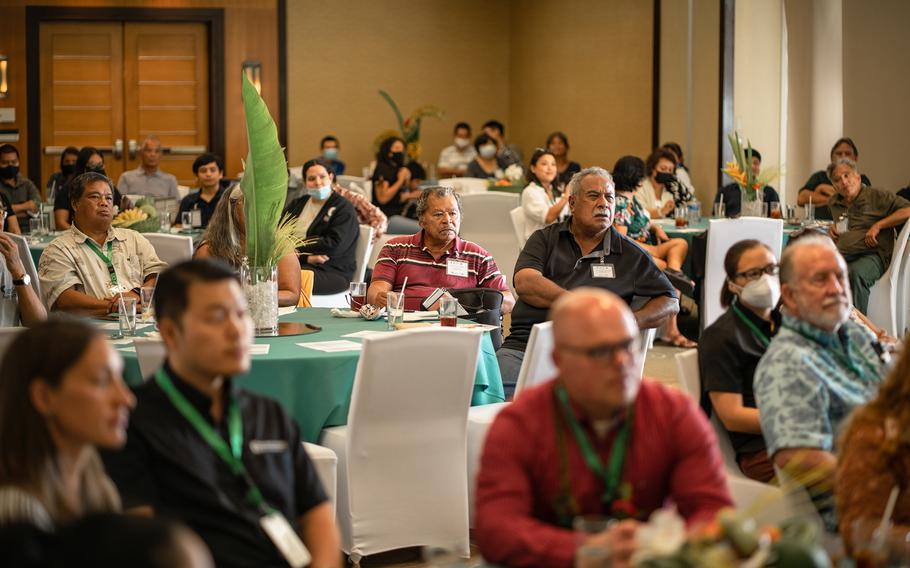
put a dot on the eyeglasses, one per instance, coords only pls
(607, 351)
(756, 273)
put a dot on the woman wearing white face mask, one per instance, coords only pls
(486, 164)
(729, 350)
(329, 222)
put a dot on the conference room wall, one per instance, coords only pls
(250, 32)
(454, 55)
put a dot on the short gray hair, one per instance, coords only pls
(435, 191)
(788, 258)
(841, 162)
(594, 171)
(150, 138)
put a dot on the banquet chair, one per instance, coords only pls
(886, 298)
(326, 464)
(306, 289)
(402, 475)
(172, 249)
(362, 254)
(465, 186)
(151, 353)
(7, 335)
(518, 223)
(25, 255)
(722, 234)
(485, 221)
(357, 184)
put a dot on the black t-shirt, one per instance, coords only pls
(728, 353)
(167, 465)
(194, 200)
(8, 207)
(386, 171)
(563, 179)
(554, 252)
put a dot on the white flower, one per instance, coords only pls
(662, 535)
(514, 172)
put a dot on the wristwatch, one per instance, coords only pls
(26, 280)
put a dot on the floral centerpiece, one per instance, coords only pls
(740, 171)
(409, 128)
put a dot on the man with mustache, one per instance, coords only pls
(435, 257)
(817, 369)
(583, 250)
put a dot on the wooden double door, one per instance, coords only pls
(112, 84)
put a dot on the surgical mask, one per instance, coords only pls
(96, 169)
(330, 153)
(320, 193)
(763, 293)
(9, 172)
(462, 142)
(68, 169)
(488, 151)
(663, 177)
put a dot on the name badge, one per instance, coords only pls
(455, 267)
(285, 539)
(268, 446)
(599, 270)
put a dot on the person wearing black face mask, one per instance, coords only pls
(391, 186)
(660, 192)
(66, 173)
(18, 189)
(89, 159)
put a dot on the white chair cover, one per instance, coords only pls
(377, 248)
(722, 234)
(362, 253)
(361, 185)
(465, 186)
(326, 463)
(25, 255)
(886, 299)
(537, 365)
(486, 221)
(401, 458)
(172, 249)
(518, 223)
(151, 353)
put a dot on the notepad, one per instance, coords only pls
(259, 349)
(333, 346)
(365, 333)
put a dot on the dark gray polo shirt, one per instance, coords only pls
(628, 272)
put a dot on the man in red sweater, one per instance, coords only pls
(594, 441)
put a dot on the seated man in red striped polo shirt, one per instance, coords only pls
(435, 257)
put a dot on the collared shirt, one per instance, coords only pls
(554, 252)
(21, 191)
(166, 464)
(157, 184)
(672, 454)
(367, 213)
(809, 380)
(194, 200)
(454, 158)
(870, 206)
(68, 261)
(408, 257)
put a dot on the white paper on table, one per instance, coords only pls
(115, 326)
(123, 341)
(286, 311)
(130, 349)
(333, 346)
(365, 333)
(421, 316)
(153, 335)
(260, 348)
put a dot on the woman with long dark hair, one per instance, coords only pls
(391, 185)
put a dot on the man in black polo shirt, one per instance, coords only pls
(227, 463)
(209, 170)
(584, 250)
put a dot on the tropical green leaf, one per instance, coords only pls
(394, 106)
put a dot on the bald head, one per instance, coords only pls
(583, 310)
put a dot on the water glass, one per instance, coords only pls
(809, 210)
(394, 309)
(588, 554)
(448, 311)
(186, 220)
(357, 295)
(870, 542)
(127, 316)
(764, 210)
(720, 211)
(682, 216)
(147, 294)
(774, 210)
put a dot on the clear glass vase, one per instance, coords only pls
(752, 204)
(260, 286)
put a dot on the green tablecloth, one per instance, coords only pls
(315, 387)
(36, 245)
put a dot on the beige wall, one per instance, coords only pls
(876, 87)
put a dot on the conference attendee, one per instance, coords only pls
(508, 154)
(874, 457)
(816, 370)
(454, 159)
(89, 159)
(558, 145)
(819, 187)
(90, 267)
(731, 194)
(148, 179)
(19, 304)
(226, 462)
(391, 189)
(542, 202)
(329, 223)
(729, 350)
(18, 189)
(583, 250)
(661, 192)
(486, 164)
(209, 171)
(330, 147)
(67, 171)
(225, 240)
(8, 221)
(61, 397)
(634, 222)
(605, 443)
(871, 215)
(682, 172)
(435, 257)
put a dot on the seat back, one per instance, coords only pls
(363, 251)
(151, 353)
(537, 365)
(485, 221)
(357, 184)
(7, 335)
(465, 186)
(722, 234)
(325, 462)
(886, 298)
(518, 223)
(25, 255)
(646, 338)
(172, 249)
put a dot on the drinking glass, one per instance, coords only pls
(186, 220)
(682, 216)
(870, 542)
(764, 210)
(127, 316)
(357, 295)
(448, 311)
(774, 210)
(719, 210)
(147, 294)
(165, 218)
(809, 209)
(394, 308)
(588, 554)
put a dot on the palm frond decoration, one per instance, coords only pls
(409, 128)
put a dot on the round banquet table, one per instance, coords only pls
(314, 386)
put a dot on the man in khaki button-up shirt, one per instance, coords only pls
(74, 277)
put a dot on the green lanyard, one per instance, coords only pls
(617, 456)
(229, 455)
(108, 260)
(762, 338)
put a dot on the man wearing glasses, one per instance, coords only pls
(604, 443)
(90, 267)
